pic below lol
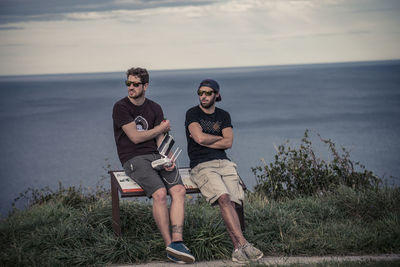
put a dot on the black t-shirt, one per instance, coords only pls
(211, 124)
(146, 117)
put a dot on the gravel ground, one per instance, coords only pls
(277, 260)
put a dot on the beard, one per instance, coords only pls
(209, 104)
(139, 95)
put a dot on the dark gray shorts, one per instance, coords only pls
(140, 170)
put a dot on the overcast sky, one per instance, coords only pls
(71, 36)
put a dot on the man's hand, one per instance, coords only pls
(170, 168)
(165, 126)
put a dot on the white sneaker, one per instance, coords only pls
(251, 252)
(239, 256)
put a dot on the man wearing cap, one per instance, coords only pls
(209, 133)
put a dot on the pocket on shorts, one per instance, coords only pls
(232, 182)
(203, 183)
(129, 168)
(200, 180)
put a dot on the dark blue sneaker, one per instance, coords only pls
(172, 258)
(180, 251)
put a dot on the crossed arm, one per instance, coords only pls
(212, 141)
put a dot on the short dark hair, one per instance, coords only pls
(139, 72)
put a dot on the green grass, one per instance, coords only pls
(69, 228)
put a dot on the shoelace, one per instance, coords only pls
(245, 245)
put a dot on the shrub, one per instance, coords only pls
(71, 196)
(298, 172)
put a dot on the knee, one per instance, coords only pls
(178, 192)
(160, 195)
(224, 200)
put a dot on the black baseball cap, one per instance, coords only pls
(213, 85)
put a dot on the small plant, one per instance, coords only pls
(71, 196)
(298, 172)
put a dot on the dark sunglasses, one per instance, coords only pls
(208, 93)
(129, 83)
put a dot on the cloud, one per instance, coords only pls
(101, 35)
(5, 28)
(14, 11)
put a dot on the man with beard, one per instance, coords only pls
(139, 127)
(209, 133)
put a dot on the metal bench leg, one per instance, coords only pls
(116, 220)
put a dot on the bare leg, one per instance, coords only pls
(177, 211)
(231, 220)
(160, 214)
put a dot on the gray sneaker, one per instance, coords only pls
(251, 252)
(239, 256)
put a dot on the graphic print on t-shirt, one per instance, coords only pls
(211, 127)
(141, 123)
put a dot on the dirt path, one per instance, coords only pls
(278, 260)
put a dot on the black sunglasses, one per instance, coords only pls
(208, 93)
(129, 83)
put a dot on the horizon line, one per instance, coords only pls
(206, 68)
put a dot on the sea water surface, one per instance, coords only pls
(58, 128)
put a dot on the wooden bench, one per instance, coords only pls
(123, 186)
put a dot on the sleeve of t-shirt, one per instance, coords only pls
(226, 122)
(191, 116)
(121, 115)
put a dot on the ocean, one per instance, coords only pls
(58, 128)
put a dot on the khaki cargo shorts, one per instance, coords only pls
(217, 177)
